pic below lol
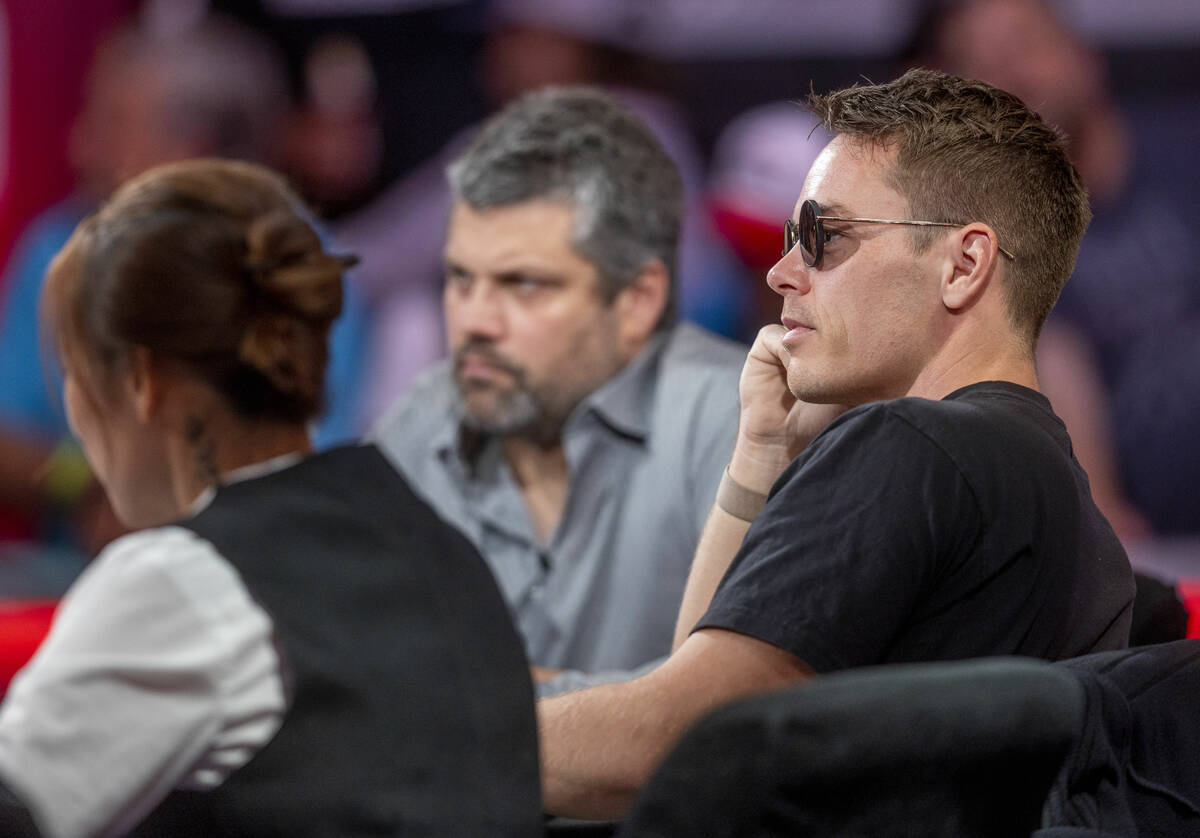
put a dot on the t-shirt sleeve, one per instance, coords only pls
(855, 531)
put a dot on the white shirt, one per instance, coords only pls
(160, 672)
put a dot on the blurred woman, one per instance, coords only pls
(309, 650)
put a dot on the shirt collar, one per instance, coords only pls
(625, 401)
(237, 475)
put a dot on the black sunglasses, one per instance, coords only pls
(809, 231)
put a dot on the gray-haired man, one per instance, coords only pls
(577, 435)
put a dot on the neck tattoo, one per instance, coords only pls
(203, 451)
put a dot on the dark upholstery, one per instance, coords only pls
(1159, 615)
(962, 749)
(1136, 769)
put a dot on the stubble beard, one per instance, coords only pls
(513, 410)
(525, 410)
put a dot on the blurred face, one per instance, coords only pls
(1019, 46)
(860, 326)
(127, 457)
(522, 58)
(124, 127)
(529, 331)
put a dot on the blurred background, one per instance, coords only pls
(362, 102)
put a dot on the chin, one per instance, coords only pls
(480, 402)
(809, 389)
(483, 416)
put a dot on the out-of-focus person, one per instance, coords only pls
(531, 44)
(578, 432)
(212, 88)
(293, 643)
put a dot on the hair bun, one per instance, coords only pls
(289, 267)
(278, 346)
(297, 286)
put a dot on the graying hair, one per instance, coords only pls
(578, 146)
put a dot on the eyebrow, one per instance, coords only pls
(449, 266)
(540, 274)
(834, 208)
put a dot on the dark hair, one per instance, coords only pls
(210, 263)
(578, 146)
(967, 151)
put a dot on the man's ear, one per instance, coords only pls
(144, 382)
(974, 256)
(640, 304)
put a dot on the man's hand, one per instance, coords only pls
(774, 426)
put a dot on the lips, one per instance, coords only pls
(479, 365)
(796, 330)
(473, 368)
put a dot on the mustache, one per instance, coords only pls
(487, 353)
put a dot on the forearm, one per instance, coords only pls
(719, 543)
(600, 746)
(754, 467)
(772, 428)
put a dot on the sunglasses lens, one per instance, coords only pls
(789, 236)
(809, 233)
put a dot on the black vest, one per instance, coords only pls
(412, 709)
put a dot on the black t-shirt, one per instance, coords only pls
(932, 530)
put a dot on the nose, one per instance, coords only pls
(475, 310)
(789, 275)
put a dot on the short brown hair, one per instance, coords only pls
(207, 262)
(967, 151)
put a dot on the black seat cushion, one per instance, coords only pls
(961, 749)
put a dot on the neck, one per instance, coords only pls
(212, 446)
(540, 470)
(940, 381)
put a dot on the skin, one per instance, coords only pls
(132, 471)
(531, 334)
(875, 321)
(860, 326)
(156, 436)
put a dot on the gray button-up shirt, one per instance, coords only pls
(645, 453)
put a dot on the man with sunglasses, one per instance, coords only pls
(943, 515)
